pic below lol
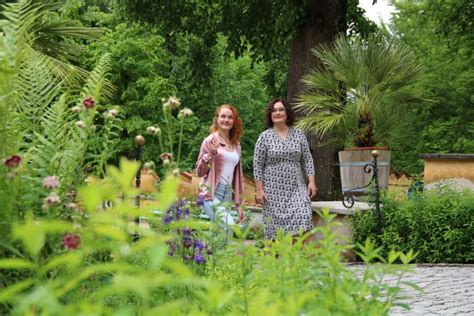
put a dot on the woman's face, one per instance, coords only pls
(279, 113)
(225, 119)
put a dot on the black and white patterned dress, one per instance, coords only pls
(278, 163)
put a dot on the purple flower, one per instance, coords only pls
(187, 242)
(167, 219)
(179, 212)
(199, 258)
(88, 103)
(12, 161)
(71, 241)
(187, 231)
(200, 200)
(198, 244)
(186, 212)
(51, 182)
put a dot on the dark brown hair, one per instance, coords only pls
(290, 120)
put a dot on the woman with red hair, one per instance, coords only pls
(219, 165)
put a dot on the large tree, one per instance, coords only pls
(440, 34)
(282, 31)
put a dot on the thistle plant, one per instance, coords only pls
(172, 125)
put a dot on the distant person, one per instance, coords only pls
(219, 165)
(281, 154)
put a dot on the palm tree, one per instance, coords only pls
(363, 92)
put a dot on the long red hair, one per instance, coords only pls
(237, 129)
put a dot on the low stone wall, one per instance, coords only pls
(456, 170)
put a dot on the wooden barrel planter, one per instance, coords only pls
(351, 165)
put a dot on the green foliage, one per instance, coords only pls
(145, 72)
(439, 32)
(363, 93)
(40, 124)
(242, 22)
(437, 224)
(99, 268)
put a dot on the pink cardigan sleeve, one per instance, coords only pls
(205, 158)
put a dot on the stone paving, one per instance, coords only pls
(447, 290)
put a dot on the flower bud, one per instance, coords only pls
(88, 103)
(12, 161)
(71, 241)
(172, 103)
(186, 112)
(76, 109)
(80, 124)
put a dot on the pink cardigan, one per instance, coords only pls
(209, 167)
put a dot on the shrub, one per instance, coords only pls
(95, 264)
(438, 224)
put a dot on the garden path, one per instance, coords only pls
(447, 290)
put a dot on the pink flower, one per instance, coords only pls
(51, 182)
(71, 241)
(12, 162)
(88, 103)
(52, 199)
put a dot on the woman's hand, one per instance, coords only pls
(214, 145)
(260, 197)
(312, 189)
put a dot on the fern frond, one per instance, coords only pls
(96, 83)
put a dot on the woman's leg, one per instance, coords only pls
(222, 214)
(211, 206)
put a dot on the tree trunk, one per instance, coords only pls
(326, 19)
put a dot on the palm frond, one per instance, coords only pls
(359, 80)
(320, 124)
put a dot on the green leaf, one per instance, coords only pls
(125, 175)
(15, 264)
(10, 293)
(168, 192)
(32, 235)
(69, 259)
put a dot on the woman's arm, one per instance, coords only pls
(308, 166)
(259, 161)
(206, 156)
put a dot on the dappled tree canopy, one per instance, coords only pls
(440, 34)
(283, 32)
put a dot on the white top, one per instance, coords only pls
(231, 159)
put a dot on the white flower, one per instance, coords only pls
(111, 113)
(172, 103)
(153, 129)
(76, 109)
(80, 124)
(71, 206)
(175, 172)
(186, 112)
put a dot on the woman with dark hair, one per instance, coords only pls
(219, 165)
(281, 153)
